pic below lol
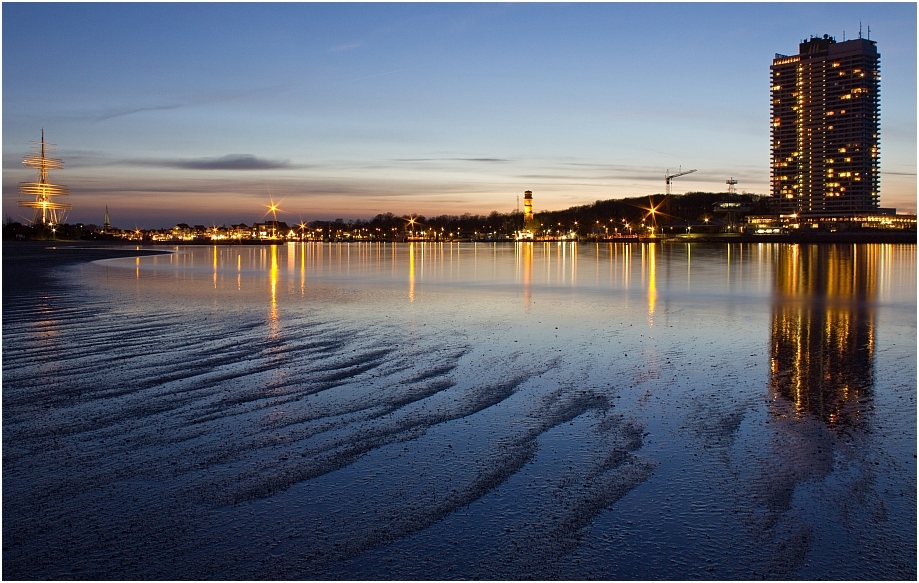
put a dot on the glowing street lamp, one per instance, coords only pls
(273, 211)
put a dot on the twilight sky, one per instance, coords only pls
(202, 113)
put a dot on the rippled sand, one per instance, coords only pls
(293, 423)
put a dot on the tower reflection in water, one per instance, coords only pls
(823, 329)
(524, 251)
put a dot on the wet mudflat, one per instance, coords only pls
(443, 411)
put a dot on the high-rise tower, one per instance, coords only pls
(47, 211)
(527, 206)
(826, 127)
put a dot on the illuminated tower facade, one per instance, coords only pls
(41, 195)
(527, 206)
(826, 127)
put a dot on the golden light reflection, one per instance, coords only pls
(411, 272)
(525, 267)
(652, 281)
(573, 247)
(215, 266)
(273, 325)
(302, 268)
(823, 329)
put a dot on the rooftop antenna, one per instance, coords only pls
(869, 32)
(859, 29)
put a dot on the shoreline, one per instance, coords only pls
(28, 265)
(794, 238)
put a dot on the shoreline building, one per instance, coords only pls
(527, 206)
(826, 128)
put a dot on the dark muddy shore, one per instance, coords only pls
(28, 266)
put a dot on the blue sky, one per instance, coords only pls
(201, 113)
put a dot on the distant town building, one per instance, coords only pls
(182, 232)
(271, 230)
(825, 128)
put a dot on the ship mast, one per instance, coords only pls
(47, 211)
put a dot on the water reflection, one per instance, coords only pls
(411, 272)
(823, 329)
(273, 325)
(525, 268)
(302, 250)
(652, 281)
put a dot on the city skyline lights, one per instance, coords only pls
(198, 113)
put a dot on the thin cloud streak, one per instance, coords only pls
(112, 114)
(116, 112)
(228, 162)
(486, 160)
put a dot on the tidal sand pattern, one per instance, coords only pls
(443, 411)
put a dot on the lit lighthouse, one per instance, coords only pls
(527, 206)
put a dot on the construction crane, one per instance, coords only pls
(669, 178)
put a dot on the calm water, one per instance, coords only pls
(366, 411)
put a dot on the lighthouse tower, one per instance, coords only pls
(527, 206)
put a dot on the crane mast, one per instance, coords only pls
(668, 178)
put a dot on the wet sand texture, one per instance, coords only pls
(159, 426)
